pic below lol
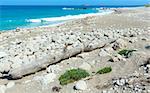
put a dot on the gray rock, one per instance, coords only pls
(147, 47)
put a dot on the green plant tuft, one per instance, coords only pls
(126, 53)
(104, 70)
(72, 76)
(147, 5)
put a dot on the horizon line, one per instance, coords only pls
(74, 5)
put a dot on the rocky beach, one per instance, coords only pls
(114, 50)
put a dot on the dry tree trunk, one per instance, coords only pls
(37, 65)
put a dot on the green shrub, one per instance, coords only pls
(73, 75)
(126, 53)
(147, 5)
(104, 70)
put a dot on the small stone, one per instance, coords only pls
(17, 29)
(121, 58)
(104, 91)
(148, 65)
(81, 85)
(85, 66)
(56, 89)
(10, 84)
(53, 69)
(2, 88)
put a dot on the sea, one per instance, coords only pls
(12, 16)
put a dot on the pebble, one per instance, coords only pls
(53, 69)
(147, 47)
(81, 85)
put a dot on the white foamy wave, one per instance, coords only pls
(65, 18)
(34, 20)
(67, 8)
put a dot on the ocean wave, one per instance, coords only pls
(33, 20)
(68, 8)
(64, 18)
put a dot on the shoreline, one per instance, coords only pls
(74, 17)
(62, 18)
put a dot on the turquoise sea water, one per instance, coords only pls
(12, 17)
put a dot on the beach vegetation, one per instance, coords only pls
(126, 52)
(147, 5)
(73, 75)
(104, 70)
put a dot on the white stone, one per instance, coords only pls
(148, 65)
(53, 69)
(81, 85)
(85, 66)
(121, 58)
(2, 88)
(10, 84)
(27, 81)
(104, 91)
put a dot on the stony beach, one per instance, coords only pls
(33, 59)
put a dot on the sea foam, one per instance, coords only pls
(68, 17)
